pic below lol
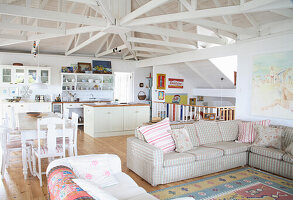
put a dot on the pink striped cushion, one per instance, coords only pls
(247, 132)
(159, 135)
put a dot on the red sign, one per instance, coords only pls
(175, 83)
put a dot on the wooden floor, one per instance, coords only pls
(13, 186)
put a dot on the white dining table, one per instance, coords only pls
(28, 129)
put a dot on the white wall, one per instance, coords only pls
(56, 62)
(244, 73)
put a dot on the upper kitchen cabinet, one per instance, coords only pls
(24, 74)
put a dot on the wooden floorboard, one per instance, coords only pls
(13, 186)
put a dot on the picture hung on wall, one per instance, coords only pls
(175, 83)
(161, 95)
(65, 69)
(192, 101)
(102, 67)
(83, 67)
(199, 98)
(272, 85)
(161, 81)
(178, 98)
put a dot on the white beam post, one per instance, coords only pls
(109, 51)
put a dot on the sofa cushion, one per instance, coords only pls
(268, 136)
(182, 140)
(288, 158)
(174, 158)
(268, 152)
(205, 153)
(229, 147)
(229, 129)
(125, 189)
(208, 132)
(247, 132)
(192, 134)
(158, 135)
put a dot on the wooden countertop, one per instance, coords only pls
(79, 102)
(116, 105)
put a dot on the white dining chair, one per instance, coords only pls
(9, 146)
(47, 146)
(71, 129)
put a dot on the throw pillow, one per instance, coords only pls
(93, 189)
(182, 140)
(158, 135)
(229, 129)
(96, 170)
(268, 136)
(289, 149)
(247, 132)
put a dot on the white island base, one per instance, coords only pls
(113, 120)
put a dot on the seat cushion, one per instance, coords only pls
(126, 187)
(44, 149)
(268, 152)
(174, 158)
(229, 147)
(208, 132)
(288, 158)
(205, 153)
(229, 129)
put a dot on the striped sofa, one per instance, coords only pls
(214, 150)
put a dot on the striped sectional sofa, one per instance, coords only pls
(214, 150)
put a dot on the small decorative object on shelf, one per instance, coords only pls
(83, 67)
(161, 95)
(102, 67)
(212, 116)
(192, 101)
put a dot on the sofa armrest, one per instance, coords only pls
(147, 152)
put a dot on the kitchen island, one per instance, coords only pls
(103, 120)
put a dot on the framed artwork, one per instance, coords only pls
(175, 83)
(67, 69)
(83, 67)
(75, 68)
(161, 81)
(212, 116)
(199, 98)
(102, 67)
(178, 98)
(192, 101)
(272, 85)
(206, 116)
(161, 95)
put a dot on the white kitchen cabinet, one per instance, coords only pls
(114, 120)
(23, 74)
(135, 116)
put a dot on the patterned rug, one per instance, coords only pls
(244, 183)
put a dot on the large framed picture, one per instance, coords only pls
(102, 67)
(83, 67)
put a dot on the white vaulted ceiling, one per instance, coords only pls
(141, 29)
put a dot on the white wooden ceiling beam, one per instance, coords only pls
(109, 51)
(284, 12)
(276, 27)
(50, 15)
(142, 10)
(13, 37)
(227, 18)
(225, 27)
(102, 44)
(22, 27)
(200, 54)
(146, 49)
(128, 57)
(178, 34)
(123, 37)
(85, 43)
(186, 5)
(144, 55)
(106, 11)
(160, 43)
(253, 6)
(194, 4)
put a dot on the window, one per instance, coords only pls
(123, 87)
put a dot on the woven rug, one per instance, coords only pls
(244, 183)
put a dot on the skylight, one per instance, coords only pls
(227, 65)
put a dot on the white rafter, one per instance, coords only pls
(50, 15)
(102, 44)
(142, 10)
(178, 34)
(146, 49)
(160, 43)
(85, 43)
(109, 51)
(284, 12)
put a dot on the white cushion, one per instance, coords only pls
(126, 187)
(208, 132)
(157, 134)
(182, 140)
(93, 190)
(96, 169)
(268, 136)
